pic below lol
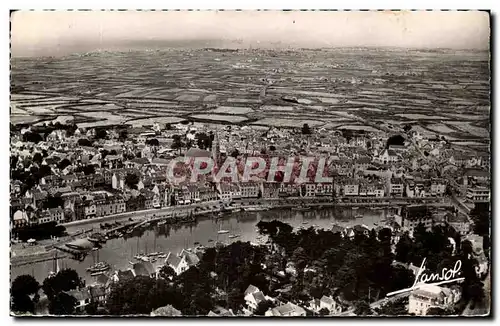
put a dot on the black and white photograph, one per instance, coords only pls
(250, 163)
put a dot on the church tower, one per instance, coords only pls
(216, 149)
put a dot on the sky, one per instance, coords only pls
(56, 33)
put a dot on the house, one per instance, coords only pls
(190, 257)
(286, 310)
(82, 297)
(438, 187)
(396, 187)
(120, 275)
(270, 189)
(249, 189)
(144, 268)
(432, 296)
(228, 192)
(98, 294)
(253, 296)
(178, 264)
(325, 303)
(220, 312)
(351, 188)
(20, 219)
(389, 156)
(330, 304)
(415, 215)
(478, 194)
(309, 189)
(166, 311)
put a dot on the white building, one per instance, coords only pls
(432, 296)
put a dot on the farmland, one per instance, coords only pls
(438, 92)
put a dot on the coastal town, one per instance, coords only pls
(73, 175)
(229, 181)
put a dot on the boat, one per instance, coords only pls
(153, 254)
(222, 231)
(196, 243)
(131, 262)
(305, 222)
(96, 273)
(359, 216)
(210, 240)
(145, 258)
(162, 256)
(355, 208)
(232, 236)
(153, 260)
(99, 267)
(162, 222)
(253, 209)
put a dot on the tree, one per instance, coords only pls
(33, 137)
(362, 308)
(305, 129)
(203, 140)
(131, 180)
(53, 202)
(62, 304)
(22, 304)
(177, 143)
(235, 299)
(65, 280)
(395, 140)
(235, 153)
(262, 307)
(122, 136)
(89, 169)
(480, 214)
(436, 311)
(100, 134)
(63, 164)
(394, 308)
(38, 158)
(21, 289)
(153, 142)
(25, 284)
(407, 128)
(324, 312)
(143, 294)
(167, 272)
(85, 142)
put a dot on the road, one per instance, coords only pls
(484, 307)
(376, 304)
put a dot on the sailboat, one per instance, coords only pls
(221, 231)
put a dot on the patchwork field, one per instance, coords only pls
(333, 88)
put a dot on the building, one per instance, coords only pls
(396, 187)
(98, 294)
(253, 296)
(351, 188)
(478, 194)
(166, 311)
(286, 310)
(249, 189)
(82, 297)
(432, 296)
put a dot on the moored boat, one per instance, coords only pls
(99, 267)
